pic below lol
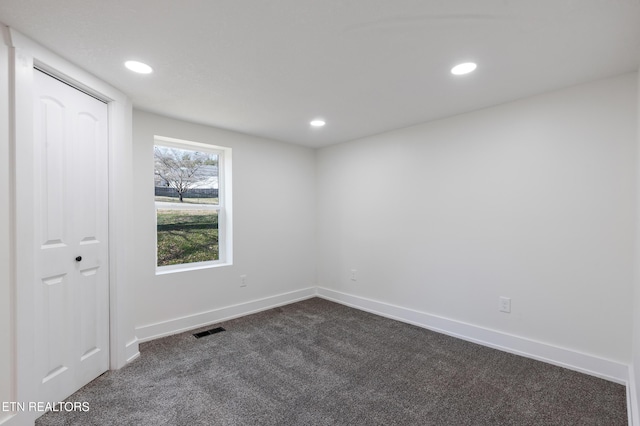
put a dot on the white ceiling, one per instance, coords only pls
(366, 66)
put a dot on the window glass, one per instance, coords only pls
(189, 202)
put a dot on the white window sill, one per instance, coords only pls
(170, 269)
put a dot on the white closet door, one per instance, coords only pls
(71, 194)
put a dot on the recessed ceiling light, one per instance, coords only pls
(465, 68)
(138, 67)
(317, 123)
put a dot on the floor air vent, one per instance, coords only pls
(208, 332)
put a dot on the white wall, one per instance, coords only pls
(273, 217)
(6, 343)
(532, 200)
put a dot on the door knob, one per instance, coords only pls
(78, 259)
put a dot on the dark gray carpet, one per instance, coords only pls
(321, 363)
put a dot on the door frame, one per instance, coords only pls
(24, 55)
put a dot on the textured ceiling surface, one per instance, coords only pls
(267, 68)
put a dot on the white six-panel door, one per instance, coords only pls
(71, 198)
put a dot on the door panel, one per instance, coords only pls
(86, 149)
(55, 308)
(71, 297)
(54, 165)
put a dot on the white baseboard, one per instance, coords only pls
(10, 421)
(178, 325)
(632, 399)
(132, 352)
(22, 418)
(573, 360)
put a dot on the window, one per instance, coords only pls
(192, 200)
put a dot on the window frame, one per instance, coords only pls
(223, 207)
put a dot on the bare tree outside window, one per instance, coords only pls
(188, 203)
(182, 169)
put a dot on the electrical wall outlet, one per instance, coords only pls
(354, 275)
(505, 304)
(243, 280)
